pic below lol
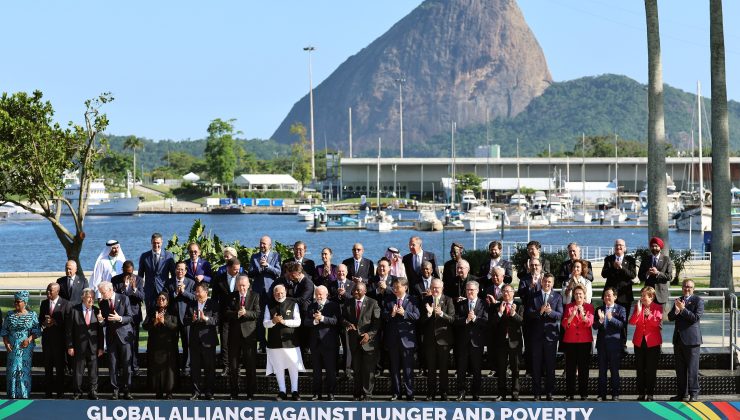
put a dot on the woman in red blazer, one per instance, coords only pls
(578, 317)
(647, 317)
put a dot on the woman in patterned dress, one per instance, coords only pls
(19, 331)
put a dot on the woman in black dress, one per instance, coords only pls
(161, 348)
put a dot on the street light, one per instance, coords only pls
(310, 100)
(400, 82)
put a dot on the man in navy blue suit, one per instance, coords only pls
(358, 266)
(322, 320)
(471, 320)
(413, 261)
(608, 323)
(198, 268)
(116, 315)
(400, 315)
(264, 269)
(182, 295)
(132, 286)
(687, 312)
(157, 268)
(543, 312)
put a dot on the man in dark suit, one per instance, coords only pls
(449, 271)
(357, 266)
(400, 315)
(471, 320)
(494, 295)
(299, 255)
(202, 315)
(574, 254)
(341, 291)
(506, 327)
(494, 259)
(415, 258)
(52, 316)
(322, 320)
(379, 286)
(84, 330)
(132, 286)
(456, 288)
(198, 268)
(264, 270)
(157, 268)
(361, 319)
(224, 285)
(423, 287)
(608, 323)
(242, 314)
(182, 295)
(437, 317)
(543, 312)
(72, 284)
(687, 312)
(302, 293)
(117, 318)
(656, 271)
(534, 251)
(619, 270)
(531, 282)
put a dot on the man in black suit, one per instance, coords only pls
(400, 315)
(357, 266)
(437, 317)
(494, 259)
(534, 251)
(506, 327)
(52, 316)
(449, 270)
(182, 295)
(619, 271)
(608, 322)
(379, 286)
(413, 260)
(84, 330)
(687, 312)
(117, 318)
(574, 254)
(202, 315)
(544, 309)
(322, 321)
(656, 271)
(471, 320)
(132, 286)
(361, 318)
(423, 287)
(494, 295)
(301, 289)
(341, 291)
(198, 269)
(157, 268)
(299, 255)
(72, 284)
(224, 285)
(530, 282)
(242, 314)
(456, 288)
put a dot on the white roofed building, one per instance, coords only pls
(263, 182)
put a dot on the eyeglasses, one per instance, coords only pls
(688, 287)
(356, 249)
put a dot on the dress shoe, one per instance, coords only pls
(694, 398)
(641, 397)
(429, 398)
(208, 397)
(649, 398)
(536, 398)
(548, 397)
(584, 398)
(444, 397)
(461, 396)
(679, 398)
(76, 397)
(600, 398)
(315, 397)
(356, 398)
(194, 396)
(93, 396)
(410, 398)
(476, 398)
(515, 397)
(48, 395)
(367, 398)
(497, 398)
(394, 397)
(491, 374)
(168, 396)
(348, 375)
(330, 397)
(60, 395)
(280, 396)
(234, 397)
(115, 395)
(569, 398)
(296, 396)
(615, 398)
(128, 396)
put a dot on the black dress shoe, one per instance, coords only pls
(410, 398)
(48, 395)
(128, 396)
(679, 398)
(476, 398)
(569, 398)
(168, 396)
(367, 398)
(76, 397)
(330, 397)
(461, 397)
(641, 397)
(208, 397)
(194, 396)
(536, 398)
(600, 398)
(115, 395)
(694, 398)
(315, 397)
(615, 398)
(548, 397)
(280, 396)
(444, 397)
(93, 396)
(394, 397)
(429, 398)
(60, 395)
(234, 397)
(497, 398)
(584, 398)
(649, 398)
(296, 396)
(515, 397)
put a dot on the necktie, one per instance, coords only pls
(547, 295)
(357, 309)
(436, 302)
(655, 261)
(195, 267)
(112, 309)
(496, 292)
(471, 305)
(87, 317)
(231, 283)
(242, 302)
(426, 285)
(70, 280)
(156, 259)
(357, 266)
(418, 263)
(51, 310)
(399, 302)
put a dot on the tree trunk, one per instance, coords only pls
(721, 272)
(657, 199)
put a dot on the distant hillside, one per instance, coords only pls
(601, 105)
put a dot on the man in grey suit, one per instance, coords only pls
(117, 318)
(656, 271)
(182, 295)
(157, 268)
(687, 312)
(361, 319)
(72, 284)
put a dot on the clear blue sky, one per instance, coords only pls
(173, 66)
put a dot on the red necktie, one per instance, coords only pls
(87, 317)
(112, 309)
(242, 304)
(51, 309)
(359, 306)
(195, 267)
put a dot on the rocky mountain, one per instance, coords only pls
(459, 59)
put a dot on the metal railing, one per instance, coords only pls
(734, 312)
(591, 253)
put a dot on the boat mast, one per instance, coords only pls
(518, 180)
(583, 172)
(377, 188)
(616, 170)
(488, 160)
(454, 156)
(701, 162)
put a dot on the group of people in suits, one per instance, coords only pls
(391, 313)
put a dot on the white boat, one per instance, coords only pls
(480, 218)
(11, 212)
(468, 200)
(99, 202)
(537, 218)
(310, 214)
(518, 200)
(582, 216)
(615, 215)
(303, 213)
(698, 219)
(428, 221)
(539, 201)
(379, 222)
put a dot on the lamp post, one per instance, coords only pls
(400, 82)
(310, 101)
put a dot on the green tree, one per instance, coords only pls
(300, 157)
(113, 167)
(469, 181)
(132, 143)
(35, 153)
(220, 151)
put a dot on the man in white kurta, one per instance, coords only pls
(109, 264)
(282, 318)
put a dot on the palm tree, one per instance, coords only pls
(657, 200)
(721, 271)
(133, 143)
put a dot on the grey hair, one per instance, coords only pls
(105, 285)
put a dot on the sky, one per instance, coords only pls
(173, 66)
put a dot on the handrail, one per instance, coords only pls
(733, 330)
